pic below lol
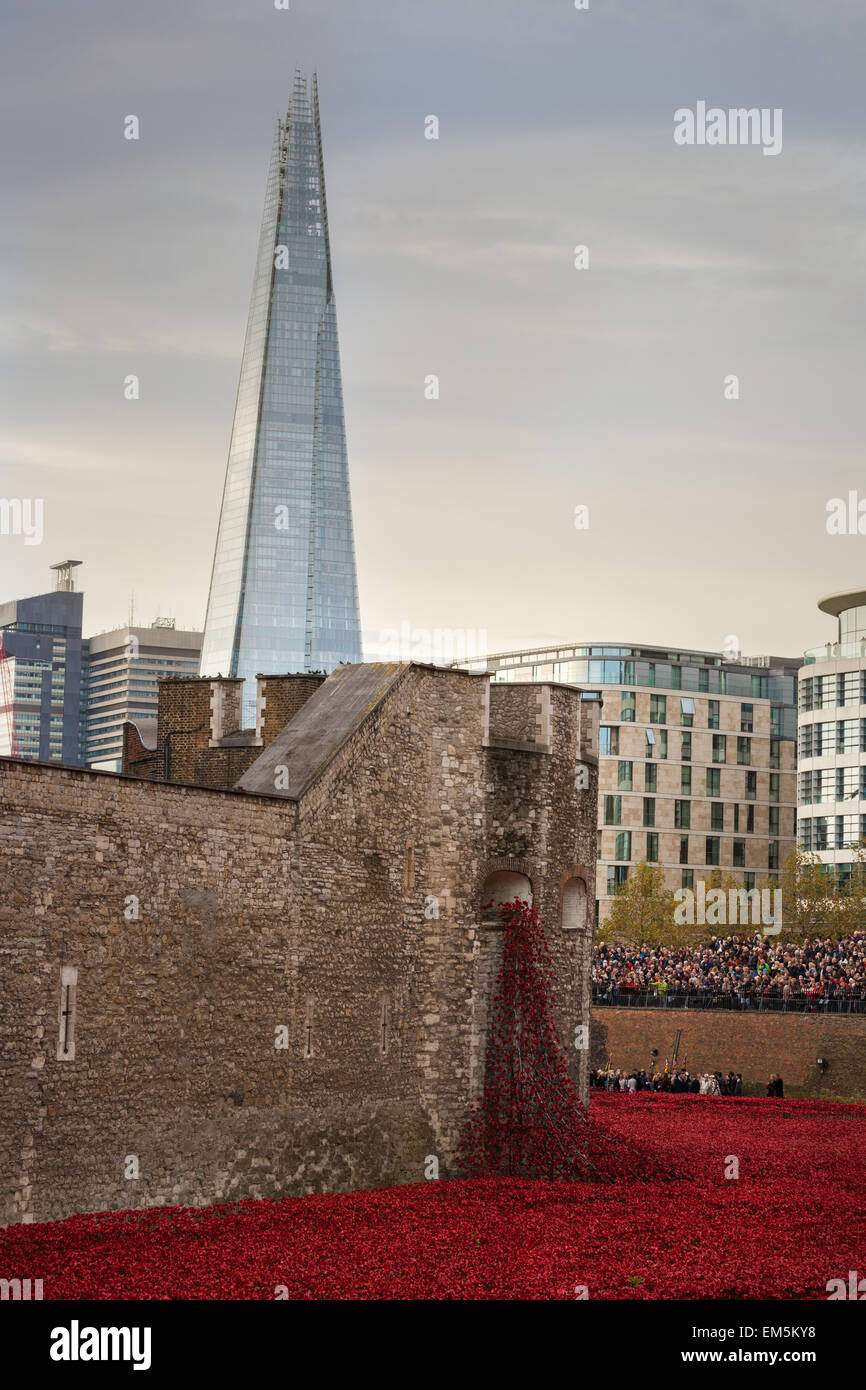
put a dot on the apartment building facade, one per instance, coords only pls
(123, 670)
(697, 758)
(43, 660)
(832, 738)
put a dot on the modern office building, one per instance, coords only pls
(123, 667)
(832, 734)
(283, 594)
(42, 671)
(697, 757)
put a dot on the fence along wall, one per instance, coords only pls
(754, 1044)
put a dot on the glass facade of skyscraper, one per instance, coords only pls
(283, 593)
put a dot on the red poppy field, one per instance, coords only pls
(793, 1219)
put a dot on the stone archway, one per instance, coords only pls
(575, 904)
(502, 886)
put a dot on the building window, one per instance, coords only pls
(687, 711)
(774, 786)
(626, 713)
(652, 848)
(850, 688)
(712, 714)
(773, 855)
(712, 850)
(719, 748)
(736, 819)
(650, 742)
(684, 849)
(744, 751)
(775, 752)
(613, 810)
(717, 815)
(748, 881)
(751, 785)
(682, 815)
(624, 777)
(623, 845)
(747, 717)
(650, 777)
(608, 740)
(739, 854)
(805, 833)
(848, 831)
(658, 709)
(686, 781)
(663, 743)
(649, 810)
(774, 820)
(616, 877)
(750, 820)
(688, 878)
(714, 779)
(686, 750)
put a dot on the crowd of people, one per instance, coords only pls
(747, 971)
(678, 1080)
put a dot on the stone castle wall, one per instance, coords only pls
(272, 996)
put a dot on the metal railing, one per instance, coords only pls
(835, 651)
(703, 999)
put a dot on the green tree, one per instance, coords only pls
(814, 903)
(643, 910)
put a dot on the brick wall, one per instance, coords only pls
(138, 760)
(282, 697)
(186, 721)
(754, 1044)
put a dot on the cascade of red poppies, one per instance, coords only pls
(530, 1121)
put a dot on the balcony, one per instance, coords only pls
(836, 651)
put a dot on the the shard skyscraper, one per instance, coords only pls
(283, 593)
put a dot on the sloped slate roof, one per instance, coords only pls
(320, 728)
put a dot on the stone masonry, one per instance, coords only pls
(280, 988)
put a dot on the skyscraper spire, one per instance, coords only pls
(283, 594)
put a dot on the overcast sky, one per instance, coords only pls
(559, 387)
